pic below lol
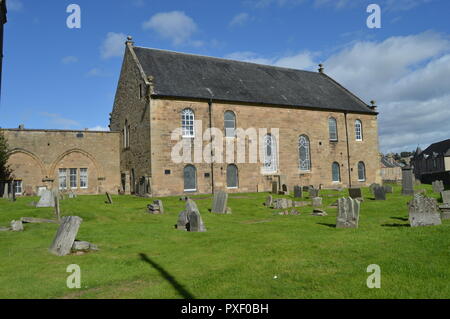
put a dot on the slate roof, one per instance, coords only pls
(192, 76)
(442, 147)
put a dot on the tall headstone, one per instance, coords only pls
(269, 201)
(379, 193)
(274, 187)
(195, 222)
(65, 235)
(6, 191)
(372, 186)
(57, 208)
(298, 191)
(47, 199)
(108, 198)
(220, 202)
(423, 211)
(407, 181)
(438, 186)
(445, 196)
(355, 193)
(348, 213)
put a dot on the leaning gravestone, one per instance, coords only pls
(317, 201)
(407, 181)
(156, 208)
(298, 192)
(388, 189)
(348, 213)
(379, 193)
(269, 201)
(108, 198)
(423, 211)
(16, 225)
(195, 222)
(445, 196)
(355, 193)
(65, 235)
(6, 191)
(47, 199)
(183, 219)
(220, 201)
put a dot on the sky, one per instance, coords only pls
(60, 77)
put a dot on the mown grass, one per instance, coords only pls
(143, 256)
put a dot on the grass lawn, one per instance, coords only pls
(143, 256)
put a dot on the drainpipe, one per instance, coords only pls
(211, 141)
(348, 152)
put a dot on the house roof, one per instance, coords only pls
(442, 147)
(385, 161)
(192, 76)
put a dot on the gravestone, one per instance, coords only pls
(445, 196)
(284, 190)
(317, 201)
(195, 222)
(348, 213)
(379, 193)
(57, 208)
(47, 199)
(298, 192)
(407, 181)
(300, 204)
(72, 194)
(108, 198)
(372, 186)
(269, 201)
(319, 212)
(183, 219)
(355, 193)
(423, 211)
(6, 190)
(156, 208)
(16, 225)
(65, 236)
(445, 211)
(438, 186)
(274, 188)
(79, 245)
(282, 203)
(220, 201)
(388, 189)
(313, 192)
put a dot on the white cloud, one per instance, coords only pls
(302, 61)
(59, 121)
(14, 5)
(97, 72)
(69, 59)
(113, 45)
(175, 26)
(99, 128)
(239, 19)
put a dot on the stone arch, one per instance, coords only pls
(30, 154)
(98, 167)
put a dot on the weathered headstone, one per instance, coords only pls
(438, 186)
(423, 211)
(16, 225)
(6, 191)
(47, 199)
(274, 187)
(348, 213)
(57, 208)
(284, 190)
(388, 189)
(379, 193)
(298, 192)
(269, 200)
(108, 198)
(79, 245)
(317, 201)
(282, 203)
(313, 192)
(220, 202)
(445, 196)
(407, 181)
(38, 220)
(156, 208)
(372, 186)
(355, 193)
(65, 235)
(319, 212)
(195, 222)
(445, 211)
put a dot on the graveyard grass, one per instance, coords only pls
(143, 256)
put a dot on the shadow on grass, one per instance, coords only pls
(401, 218)
(178, 287)
(328, 225)
(395, 225)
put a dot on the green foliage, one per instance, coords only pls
(5, 171)
(143, 256)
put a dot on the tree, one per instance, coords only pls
(5, 171)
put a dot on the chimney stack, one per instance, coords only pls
(321, 68)
(129, 40)
(373, 105)
(21, 127)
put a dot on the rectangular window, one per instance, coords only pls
(62, 178)
(18, 187)
(73, 178)
(83, 177)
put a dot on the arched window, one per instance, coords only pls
(270, 154)
(190, 178)
(358, 130)
(335, 172)
(361, 172)
(230, 123)
(187, 123)
(232, 176)
(332, 127)
(304, 154)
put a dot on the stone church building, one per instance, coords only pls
(314, 131)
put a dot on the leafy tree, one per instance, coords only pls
(5, 171)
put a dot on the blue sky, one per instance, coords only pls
(56, 77)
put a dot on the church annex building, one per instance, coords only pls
(326, 135)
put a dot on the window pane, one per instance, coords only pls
(187, 123)
(73, 177)
(361, 171)
(303, 145)
(335, 172)
(232, 176)
(270, 154)
(229, 124)
(18, 187)
(332, 128)
(190, 178)
(358, 130)
(83, 177)
(62, 178)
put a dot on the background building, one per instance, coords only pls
(433, 163)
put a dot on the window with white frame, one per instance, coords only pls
(187, 123)
(73, 177)
(62, 178)
(230, 124)
(358, 130)
(269, 154)
(83, 178)
(18, 187)
(335, 172)
(332, 127)
(304, 154)
(361, 172)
